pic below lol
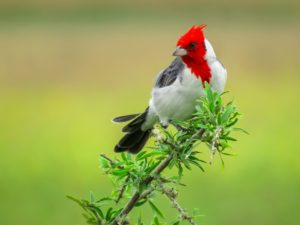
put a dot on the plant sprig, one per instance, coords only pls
(138, 178)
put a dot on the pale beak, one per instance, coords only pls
(179, 52)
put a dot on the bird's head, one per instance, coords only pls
(191, 46)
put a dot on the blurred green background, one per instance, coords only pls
(68, 66)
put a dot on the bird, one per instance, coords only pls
(176, 89)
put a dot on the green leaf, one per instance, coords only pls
(86, 215)
(92, 197)
(232, 122)
(120, 172)
(241, 129)
(104, 162)
(140, 154)
(230, 138)
(152, 153)
(155, 209)
(180, 170)
(96, 210)
(198, 165)
(226, 114)
(208, 92)
(228, 154)
(123, 156)
(108, 214)
(156, 221)
(114, 213)
(140, 203)
(104, 199)
(79, 202)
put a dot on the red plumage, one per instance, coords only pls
(193, 41)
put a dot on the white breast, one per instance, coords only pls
(177, 101)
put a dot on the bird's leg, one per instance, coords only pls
(164, 126)
(178, 127)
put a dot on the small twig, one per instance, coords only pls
(172, 195)
(146, 193)
(213, 144)
(198, 134)
(122, 190)
(112, 162)
(164, 180)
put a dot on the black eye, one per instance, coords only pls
(192, 45)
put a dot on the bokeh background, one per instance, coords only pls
(68, 66)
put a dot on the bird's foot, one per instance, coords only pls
(179, 128)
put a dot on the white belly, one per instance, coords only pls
(177, 101)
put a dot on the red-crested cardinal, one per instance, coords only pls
(176, 89)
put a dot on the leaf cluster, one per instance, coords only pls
(97, 212)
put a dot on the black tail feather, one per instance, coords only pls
(135, 124)
(135, 146)
(138, 146)
(135, 138)
(121, 119)
(131, 138)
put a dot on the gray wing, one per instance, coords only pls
(170, 74)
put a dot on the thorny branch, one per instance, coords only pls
(172, 195)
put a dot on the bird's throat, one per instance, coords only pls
(199, 68)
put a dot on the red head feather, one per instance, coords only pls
(193, 42)
(194, 34)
